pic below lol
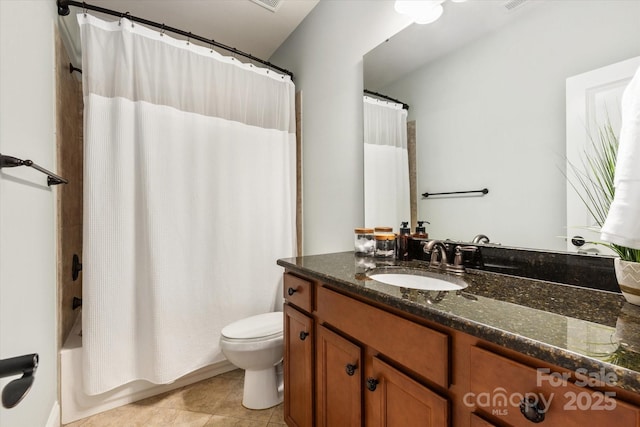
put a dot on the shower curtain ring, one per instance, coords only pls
(84, 9)
(162, 30)
(124, 15)
(189, 38)
(212, 43)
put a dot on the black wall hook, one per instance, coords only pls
(76, 267)
(16, 390)
(72, 68)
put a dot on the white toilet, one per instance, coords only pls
(255, 344)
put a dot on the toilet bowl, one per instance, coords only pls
(255, 344)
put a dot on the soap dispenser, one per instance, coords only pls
(402, 246)
(421, 232)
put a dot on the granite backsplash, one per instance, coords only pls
(585, 270)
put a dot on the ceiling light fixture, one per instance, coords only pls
(422, 11)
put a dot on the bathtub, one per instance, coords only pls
(75, 404)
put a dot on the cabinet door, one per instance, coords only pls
(298, 368)
(339, 380)
(392, 399)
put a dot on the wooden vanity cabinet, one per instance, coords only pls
(298, 353)
(351, 362)
(359, 363)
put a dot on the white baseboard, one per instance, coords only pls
(54, 416)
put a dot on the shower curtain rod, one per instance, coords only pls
(63, 10)
(388, 98)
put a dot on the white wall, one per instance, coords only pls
(467, 139)
(27, 205)
(325, 54)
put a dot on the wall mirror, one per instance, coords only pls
(486, 86)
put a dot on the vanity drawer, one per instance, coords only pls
(414, 346)
(497, 384)
(298, 291)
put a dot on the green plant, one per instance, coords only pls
(625, 357)
(595, 178)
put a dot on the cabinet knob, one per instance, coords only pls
(372, 384)
(350, 369)
(532, 409)
(291, 291)
(303, 335)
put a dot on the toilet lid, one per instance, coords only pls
(260, 326)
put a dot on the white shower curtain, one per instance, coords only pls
(189, 199)
(386, 164)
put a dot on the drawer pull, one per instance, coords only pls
(291, 291)
(532, 409)
(350, 369)
(372, 384)
(303, 335)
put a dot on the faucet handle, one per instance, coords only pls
(457, 266)
(434, 259)
(457, 258)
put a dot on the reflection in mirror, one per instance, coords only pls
(386, 175)
(486, 85)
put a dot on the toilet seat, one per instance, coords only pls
(255, 328)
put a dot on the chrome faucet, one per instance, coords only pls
(440, 248)
(480, 238)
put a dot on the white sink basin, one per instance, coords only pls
(423, 281)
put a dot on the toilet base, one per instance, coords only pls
(261, 389)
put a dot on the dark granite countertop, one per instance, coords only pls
(590, 331)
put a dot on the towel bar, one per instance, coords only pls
(11, 162)
(483, 191)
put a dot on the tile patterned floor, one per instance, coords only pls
(215, 402)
